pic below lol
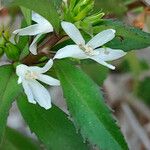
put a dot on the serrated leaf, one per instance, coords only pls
(86, 105)
(51, 126)
(9, 90)
(43, 7)
(17, 141)
(127, 38)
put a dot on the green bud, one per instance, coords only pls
(1, 51)
(72, 4)
(12, 51)
(82, 14)
(82, 4)
(2, 41)
(94, 19)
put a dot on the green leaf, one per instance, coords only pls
(43, 7)
(96, 71)
(27, 14)
(127, 38)
(57, 3)
(16, 141)
(23, 43)
(9, 90)
(109, 6)
(51, 126)
(86, 104)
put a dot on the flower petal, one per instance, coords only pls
(33, 46)
(37, 18)
(70, 51)
(100, 61)
(28, 92)
(19, 80)
(73, 32)
(41, 95)
(44, 69)
(35, 29)
(102, 38)
(108, 54)
(30, 30)
(48, 80)
(21, 70)
(40, 20)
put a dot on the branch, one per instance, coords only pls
(43, 50)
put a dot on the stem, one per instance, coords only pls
(43, 50)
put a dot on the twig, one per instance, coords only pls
(136, 126)
(42, 49)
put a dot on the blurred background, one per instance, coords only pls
(126, 90)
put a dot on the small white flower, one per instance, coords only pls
(90, 50)
(35, 91)
(42, 27)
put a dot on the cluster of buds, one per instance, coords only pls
(78, 12)
(3, 39)
(11, 50)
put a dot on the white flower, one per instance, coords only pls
(35, 91)
(90, 50)
(42, 27)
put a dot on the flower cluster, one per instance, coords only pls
(93, 49)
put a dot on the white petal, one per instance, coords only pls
(37, 18)
(48, 80)
(30, 30)
(19, 80)
(21, 70)
(108, 54)
(41, 95)
(35, 29)
(40, 20)
(33, 46)
(28, 92)
(12, 39)
(73, 32)
(70, 51)
(100, 61)
(102, 38)
(44, 69)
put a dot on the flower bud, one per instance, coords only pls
(83, 13)
(82, 4)
(94, 19)
(72, 4)
(12, 51)
(2, 40)
(1, 51)
(75, 10)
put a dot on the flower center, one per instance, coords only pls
(88, 50)
(31, 75)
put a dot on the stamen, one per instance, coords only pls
(87, 49)
(31, 75)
